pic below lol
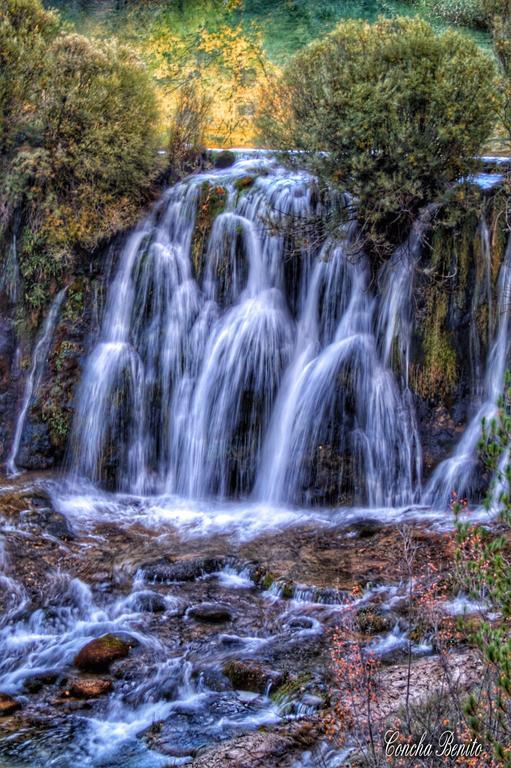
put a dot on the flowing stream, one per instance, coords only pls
(39, 359)
(241, 359)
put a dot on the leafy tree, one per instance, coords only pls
(499, 16)
(26, 31)
(78, 131)
(392, 112)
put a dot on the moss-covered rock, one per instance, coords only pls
(244, 182)
(212, 201)
(252, 676)
(8, 705)
(372, 623)
(99, 654)
(224, 159)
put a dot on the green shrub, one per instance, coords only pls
(469, 13)
(78, 121)
(392, 112)
(483, 571)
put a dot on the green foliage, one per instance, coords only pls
(77, 141)
(26, 31)
(469, 13)
(392, 112)
(484, 571)
(438, 376)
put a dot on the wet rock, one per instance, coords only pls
(366, 529)
(36, 683)
(252, 676)
(35, 450)
(8, 705)
(150, 602)
(55, 524)
(301, 622)
(244, 182)
(224, 159)
(215, 680)
(89, 687)
(276, 748)
(210, 613)
(188, 569)
(231, 640)
(12, 503)
(99, 654)
(310, 700)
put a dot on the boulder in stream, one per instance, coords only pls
(165, 570)
(252, 676)
(89, 687)
(224, 159)
(8, 705)
(210, 613)
(99, 654)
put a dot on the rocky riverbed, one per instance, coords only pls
(140, 644)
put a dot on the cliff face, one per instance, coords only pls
(454, 317)
(50, 412)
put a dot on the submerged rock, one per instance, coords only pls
(150, 602)
(214, 679)
(224, 159)
(301, 622)
(99, 654)
(89, 688)
(187, 569)
(36, 683)
(8, 705)
(210, 613)
(55, 524)
(252, 676)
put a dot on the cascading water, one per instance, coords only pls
(216, 376)
(482, 294)
(238, 356)
(457, 472)
(39, 358)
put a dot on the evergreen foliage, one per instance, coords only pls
(78, 121)
(392, 112)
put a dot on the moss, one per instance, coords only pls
(244, 183)
(57, 416)
(75, 301)
(39, 272)
(267, 580)
(499, 231)
(212, 201)
(290, 690)
(438, 375)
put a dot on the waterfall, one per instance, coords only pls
(228, 363)
(39, 358)
(10, 277)
(456, 473)
(340, 393)
(482, 294)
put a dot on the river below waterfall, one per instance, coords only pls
(228, 610)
